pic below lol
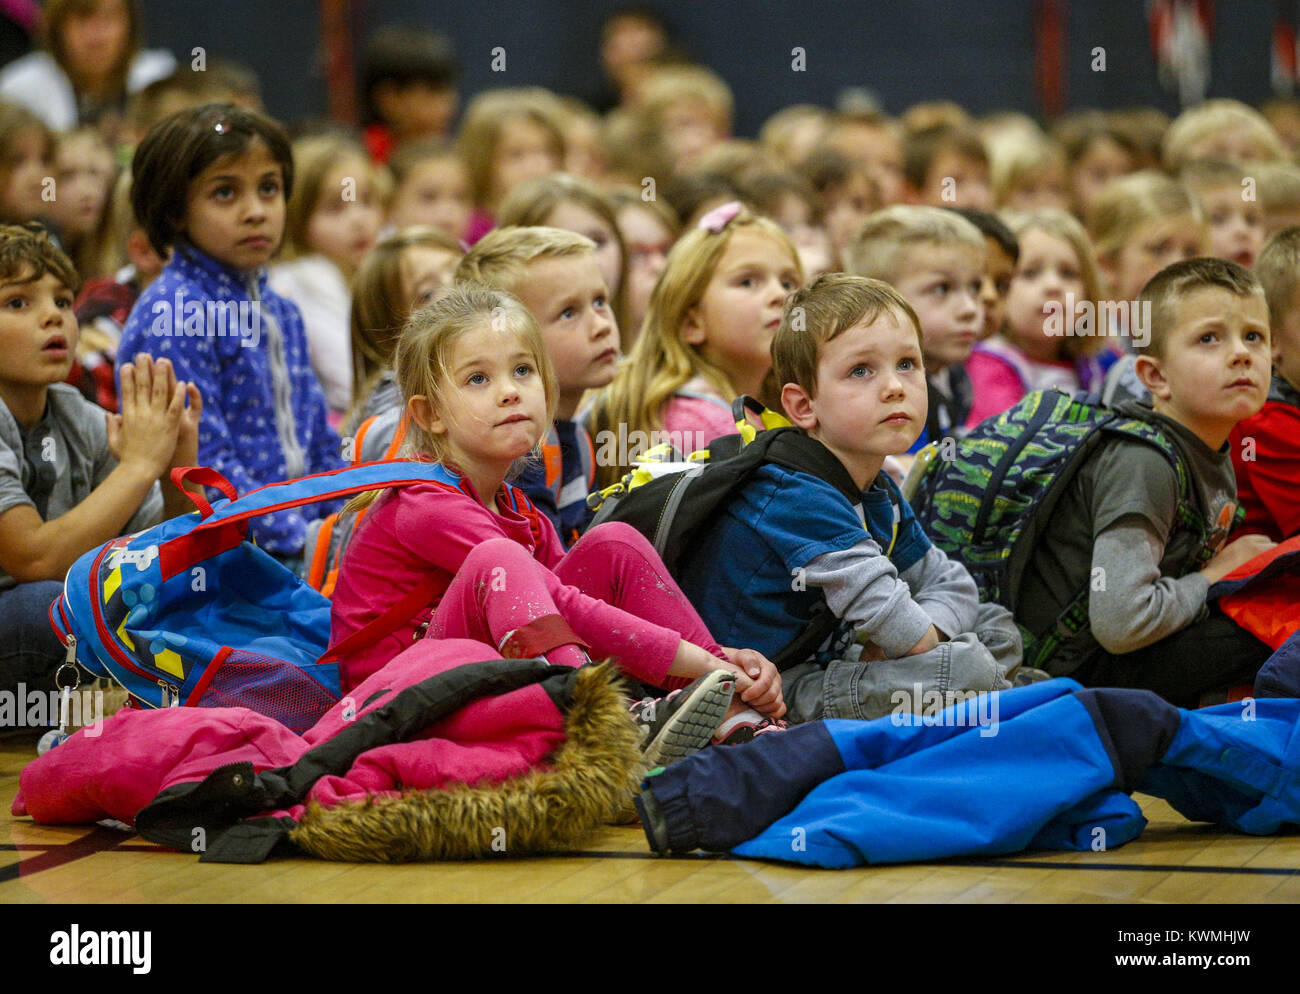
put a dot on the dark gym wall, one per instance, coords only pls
(977, 52)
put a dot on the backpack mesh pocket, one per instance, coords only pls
(268, 686)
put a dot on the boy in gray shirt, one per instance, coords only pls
(72, 476)
(1117, 530)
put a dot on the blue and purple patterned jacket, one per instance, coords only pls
(244, 347)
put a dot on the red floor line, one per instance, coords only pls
(96, 841)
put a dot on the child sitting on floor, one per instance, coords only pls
(1146, 547)
(1266, 446)
(471, 557)
(705, 340)
(557, 276)
(71, 476)
(935, 259)
(331, 223)
(406, 270)
(1233, 214)
(1045, 341)
(853, 379)
(1140, 224)
(211, 181)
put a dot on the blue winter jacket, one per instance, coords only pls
(244, 347)
(1048, 766)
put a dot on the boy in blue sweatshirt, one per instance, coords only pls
(848, 358)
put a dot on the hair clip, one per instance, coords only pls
(718, 218)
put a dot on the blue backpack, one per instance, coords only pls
(189, 612)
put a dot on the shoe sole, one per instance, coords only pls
(692, 727)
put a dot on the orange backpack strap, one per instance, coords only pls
(320, 555)
(553, 462)
(359, 439)
(399, 437)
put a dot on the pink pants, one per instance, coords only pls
(607, 588)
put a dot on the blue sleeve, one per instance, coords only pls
(197, 360)
(799, 516)
(207, 362)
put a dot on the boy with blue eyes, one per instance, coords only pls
(556, 275)
(1126, 530)
(848, 357)
(935, 259)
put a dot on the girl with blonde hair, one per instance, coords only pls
(470, 556)
(706, 338)
(1050, 337)
(332, 220)
(406, 271)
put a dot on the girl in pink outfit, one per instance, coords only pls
(1044, 343)
(478, 558)
(706, 339)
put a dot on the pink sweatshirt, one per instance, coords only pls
(606, 588)
(1002, 374)
(410, 531)
(695, 415)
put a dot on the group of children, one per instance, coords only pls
(534, 334)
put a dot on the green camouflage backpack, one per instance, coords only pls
(986, 500)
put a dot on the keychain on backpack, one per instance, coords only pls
(57, 736)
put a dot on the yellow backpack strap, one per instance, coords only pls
(743, 406)
(912, 482)
(638, 477)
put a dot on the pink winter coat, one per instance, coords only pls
(375, 743)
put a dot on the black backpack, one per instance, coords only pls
(672, 511)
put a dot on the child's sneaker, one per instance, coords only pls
(744, 727)
(683, 722)
(1025, 675)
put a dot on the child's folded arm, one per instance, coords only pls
(945, 590)
(1131, 604)
(32, 548)
(863, 588)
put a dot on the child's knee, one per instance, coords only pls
(617, 535)
(495, 559)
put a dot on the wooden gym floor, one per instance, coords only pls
(1174, 861)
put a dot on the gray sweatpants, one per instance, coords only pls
(979, 660)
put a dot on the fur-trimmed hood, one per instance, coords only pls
(448, 752)
(590, 776)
